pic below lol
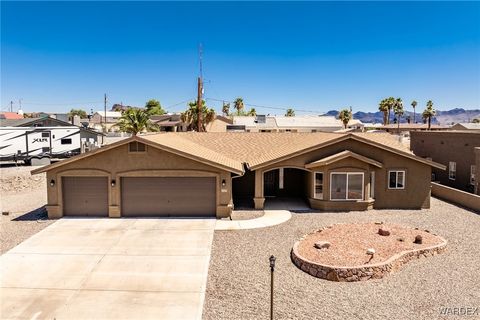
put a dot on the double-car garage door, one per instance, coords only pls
(141, 196)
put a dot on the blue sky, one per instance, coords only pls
(308, 56)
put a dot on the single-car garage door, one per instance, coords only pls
(85, 196)
(168, 196)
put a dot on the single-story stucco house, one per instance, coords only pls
(207, 174)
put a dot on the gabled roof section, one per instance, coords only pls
(176, 146)
(184, 147)
(340, 156)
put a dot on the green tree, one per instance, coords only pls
(226, 109)
(239, 106)
(190, 116)
(429, 113)
(345, 115)
(252, 112)
(290, 113)
(77, 112)
(414, 105)
(476, 120)
(154, 107)
(135, 120)
(398, 111)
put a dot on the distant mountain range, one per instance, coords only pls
(443, 117)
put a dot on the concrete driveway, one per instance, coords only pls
(109, 269)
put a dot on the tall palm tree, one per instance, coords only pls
(134, 121)
(383, 107)
(414, 105)
(239, 106)
(398, 111)
(345, 115)
(190, 116)
(429, 113)
(390, 104)
(226, 109)
(290, 113)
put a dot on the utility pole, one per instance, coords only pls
(105, 114)
(11, 106)
(199, 93)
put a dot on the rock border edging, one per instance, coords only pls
(366, 271)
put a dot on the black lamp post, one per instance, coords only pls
(272, 269)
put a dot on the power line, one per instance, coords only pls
(266, 107)
(58, 104)
(179, 103)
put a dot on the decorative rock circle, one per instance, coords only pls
(362, 272)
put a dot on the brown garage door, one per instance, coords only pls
(85, 196)
(168, 196)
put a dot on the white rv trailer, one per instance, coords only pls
(27, 143)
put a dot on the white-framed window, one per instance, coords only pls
(452, 170)
(346, 186)
(473, 170)
(318, 185)
(396, 179)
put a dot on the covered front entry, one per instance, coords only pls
(285, 182)
(85, 196)
(285, 188)
(168, 196)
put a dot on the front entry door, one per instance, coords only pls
(270, 183)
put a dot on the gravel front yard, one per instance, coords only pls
(23, 197)
(239, 276)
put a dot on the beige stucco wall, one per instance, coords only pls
(416, 194)
(118, 162)
(465, 199)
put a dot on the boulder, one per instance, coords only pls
(418, 239)
(383, 232)
(322, 244)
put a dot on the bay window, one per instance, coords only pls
(346, 186)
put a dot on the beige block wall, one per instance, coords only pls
(118, 162)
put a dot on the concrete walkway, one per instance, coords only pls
(270, 218)
(109, 269)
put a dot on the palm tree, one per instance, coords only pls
(134, 121)
(414, 105)
(290, 113)
(252, 112)
(428, 113)
(390, 104)
(398, 111)
(190, 116)
(226, 109)
(345, 115)
(239, 106)
(383, 107)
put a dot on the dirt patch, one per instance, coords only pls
(23, 197)
(349, 243)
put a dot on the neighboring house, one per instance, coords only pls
(219, 124)
(206, 174)
(10, 116)
(107, 120)
(408, 127)
(453, 149)
(169, 122)
(262, 123)
(466, 126)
